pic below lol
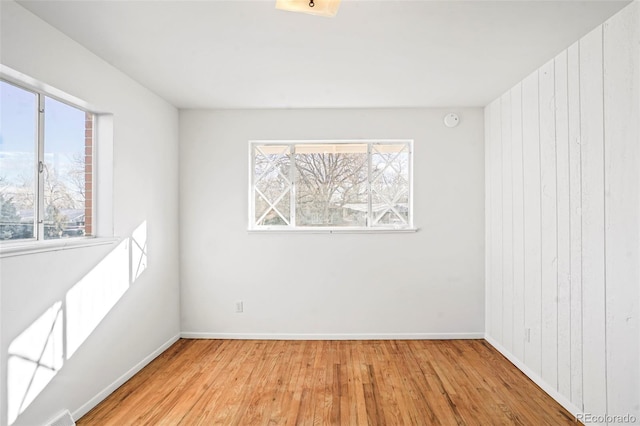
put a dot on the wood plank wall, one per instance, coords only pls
(563, 222)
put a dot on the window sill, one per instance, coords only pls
(276, 230)
(10, 249)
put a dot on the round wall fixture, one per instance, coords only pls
(451, 120)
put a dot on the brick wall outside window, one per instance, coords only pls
(88, 174)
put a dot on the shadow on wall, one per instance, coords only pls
(40, 351)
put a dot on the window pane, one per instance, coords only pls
(390, 184)
(331, 184)
(17, 162)
(67, 190)
(272, 185)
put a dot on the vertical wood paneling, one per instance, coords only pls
(518, 222)
(565, 194)
(563, 225)
(507, 223)
(575, 219)
(532, 258)
(622, 209)
(593, 265)
(496, 227)
(549, 241)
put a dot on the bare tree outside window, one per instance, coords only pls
(331, 186)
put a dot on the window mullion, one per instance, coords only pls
(292, 191)
(252, 185)
(410, 183)
(40, 213)
(369, 197)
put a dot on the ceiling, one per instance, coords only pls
(386, 54)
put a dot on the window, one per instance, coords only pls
(46, 167)
(348, 185)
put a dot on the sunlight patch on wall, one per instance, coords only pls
(39, 352)
(89, 301)
(35, 356)
(138, 251)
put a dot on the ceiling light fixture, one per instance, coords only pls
(327, 8)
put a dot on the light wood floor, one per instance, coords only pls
(410, 382)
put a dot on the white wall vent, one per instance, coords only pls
(63, 419)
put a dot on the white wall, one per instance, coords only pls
(563, 221)
(420, 284)
(145, 196)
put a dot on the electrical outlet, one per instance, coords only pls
(239, 307)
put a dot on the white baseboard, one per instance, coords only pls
(120, 380)
(331, 336)
(553, 393)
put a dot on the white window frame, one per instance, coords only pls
(292, 227)
(102, 170)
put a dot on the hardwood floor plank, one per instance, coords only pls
(252, 382)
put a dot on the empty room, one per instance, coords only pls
(319, 212)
